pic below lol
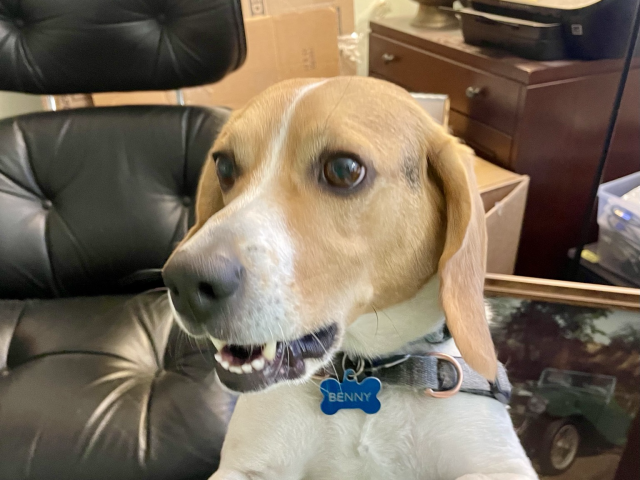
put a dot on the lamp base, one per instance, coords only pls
(432, 17)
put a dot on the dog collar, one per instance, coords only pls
(437, 374)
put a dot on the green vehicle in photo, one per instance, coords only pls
(566, 413)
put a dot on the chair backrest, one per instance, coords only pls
(92, 201)
(85, 46)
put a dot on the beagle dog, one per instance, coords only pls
(337, 222)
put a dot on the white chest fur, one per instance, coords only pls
(283, 435)
(389, 330)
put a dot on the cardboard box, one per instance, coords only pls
(65, 102)
(293, 45)
(134, 98)
(260, 8)
(504, 195)
(436, 105)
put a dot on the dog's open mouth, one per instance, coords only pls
(245, 368)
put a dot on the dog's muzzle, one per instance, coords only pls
(208, 293)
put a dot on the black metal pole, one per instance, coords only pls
(597, 179)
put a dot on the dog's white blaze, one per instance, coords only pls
(271, 165)
(266, 225)
(259, 228)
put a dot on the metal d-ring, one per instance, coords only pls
(359, 368)
(451, 392)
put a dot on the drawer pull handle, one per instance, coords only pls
(388, 57)
(472, 92)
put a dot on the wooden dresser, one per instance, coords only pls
(547, 120)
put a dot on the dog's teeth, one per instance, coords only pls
(219, 344)
(218, 357)
(269, 350)
(258, 364)
(246, 368)
(224, 364)
(235, 369)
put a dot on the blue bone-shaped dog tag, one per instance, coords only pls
(350, 394)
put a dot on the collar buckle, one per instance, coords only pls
(456, 388)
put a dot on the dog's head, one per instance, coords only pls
(322, 201)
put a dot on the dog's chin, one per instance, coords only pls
(254, 368)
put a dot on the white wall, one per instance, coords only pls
(12, 104)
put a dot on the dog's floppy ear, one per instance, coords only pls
(463, 263)
(208, 197)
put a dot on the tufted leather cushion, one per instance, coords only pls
(93, 200)
(105, 388)
(84, 46)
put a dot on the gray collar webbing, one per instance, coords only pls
(435, 373)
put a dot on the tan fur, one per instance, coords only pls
(377, 247)
(463, 261)
(208, 198)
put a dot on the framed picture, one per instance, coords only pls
(573, 356)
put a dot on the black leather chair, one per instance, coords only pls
(95, 380)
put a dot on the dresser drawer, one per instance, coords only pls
(487, 142)
(486, 98)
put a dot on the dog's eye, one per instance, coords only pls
(343, 172)
(226, 168)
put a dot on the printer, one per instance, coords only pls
(550, 29)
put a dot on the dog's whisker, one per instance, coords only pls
(344, 92)
(315, 337)
(394, 327)
(271, 332)
(195, 343)
(316, 382)
(335, 371)
(183, 342)
(377, 319)
(284, 346)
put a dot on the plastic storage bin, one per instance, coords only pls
(619, 222)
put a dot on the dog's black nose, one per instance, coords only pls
(199, 285)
